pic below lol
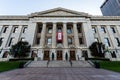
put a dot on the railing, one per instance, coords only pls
(91, 63)
(26, 64)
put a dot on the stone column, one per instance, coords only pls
(42, 40)
(76, 35)
(65, 43)
(54, 36)
(53, 42)
(77, 44)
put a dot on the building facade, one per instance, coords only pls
(60, 34)
(111, 8)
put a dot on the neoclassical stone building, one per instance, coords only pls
(60, 34)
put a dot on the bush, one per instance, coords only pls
(10, 65)
(21, 59)
(97, 64)
(97, 49)
(21, 65)
(98, 58)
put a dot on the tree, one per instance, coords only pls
(20, 49)
(97, 49)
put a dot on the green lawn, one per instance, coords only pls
(9, 65)
(110, 65)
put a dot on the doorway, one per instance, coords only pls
(72, 55)
(59, 55)
(46, 55)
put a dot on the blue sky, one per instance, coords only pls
(24, 7)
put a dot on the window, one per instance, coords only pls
(5, 29)
(49, 41)
(113, 29)
(38, 41)
(11, 42)
(50, 30)
(113, 54)
(103, 29)
(69, 40)
(15, 29)
(1, 41)
(22, 39)
(81, 40)
(79, 28)
(94, 29)
(39, 29)
(69, 30)
(117, 41)
(24, 29)
(59, 29)
(107, 43)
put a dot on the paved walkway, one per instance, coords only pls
(59, 74)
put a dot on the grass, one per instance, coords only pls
(9, 65)
(110, 65)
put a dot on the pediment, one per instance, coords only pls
(59, 12)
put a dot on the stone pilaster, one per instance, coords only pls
(18, 34)
(42, 40)
(30, 34)
(99, 33)
(111, 37)
(87, 29)
(7, 36)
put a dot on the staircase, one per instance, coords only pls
(81, 64)
(59, 64)
(38, 64)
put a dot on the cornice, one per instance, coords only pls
(14, 17)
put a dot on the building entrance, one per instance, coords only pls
(72, 55)
(59, 55)
(46, 55)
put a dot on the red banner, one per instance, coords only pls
(59, 36)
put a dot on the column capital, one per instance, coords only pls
(64, 22)
(54, 23)
(75, 22)
(44, 22)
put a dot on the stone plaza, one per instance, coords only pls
(59, 74)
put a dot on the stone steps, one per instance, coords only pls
(59, 64)
(81, 64)
(38, 64)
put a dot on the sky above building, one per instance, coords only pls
(24, 7)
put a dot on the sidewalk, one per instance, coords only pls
(59, 74)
